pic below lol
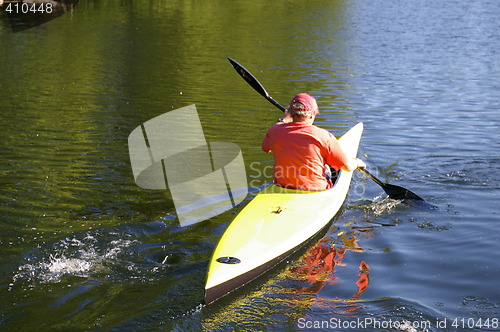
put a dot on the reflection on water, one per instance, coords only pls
(317, 266)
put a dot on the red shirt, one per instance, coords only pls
(301, 152)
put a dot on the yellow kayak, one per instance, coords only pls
(273, 225)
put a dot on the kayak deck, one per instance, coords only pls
(272, 226)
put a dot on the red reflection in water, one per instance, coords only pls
(319, 263)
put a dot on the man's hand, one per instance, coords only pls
(353, 164)
(361, 163)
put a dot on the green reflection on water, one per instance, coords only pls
(73, 89)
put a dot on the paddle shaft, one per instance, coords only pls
(371, 176)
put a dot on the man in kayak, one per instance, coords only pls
(303, 151)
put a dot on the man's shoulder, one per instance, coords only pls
(276, 130)
(276, 126)
(321, 131)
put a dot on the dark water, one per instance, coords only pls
(83, 247)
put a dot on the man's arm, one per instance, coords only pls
(338, 159)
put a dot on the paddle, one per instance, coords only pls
(395, 192)
(254, 83)
(392, 191)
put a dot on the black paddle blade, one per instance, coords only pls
(247, 76)
(400, 193)
(254, 83)
(395, 192)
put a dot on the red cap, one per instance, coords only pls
(308, 102)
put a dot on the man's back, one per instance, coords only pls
(301, 152)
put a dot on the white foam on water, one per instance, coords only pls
(61, 266)
(71, 257)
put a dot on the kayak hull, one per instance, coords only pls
(277, 222)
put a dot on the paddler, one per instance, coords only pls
(303, 151)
